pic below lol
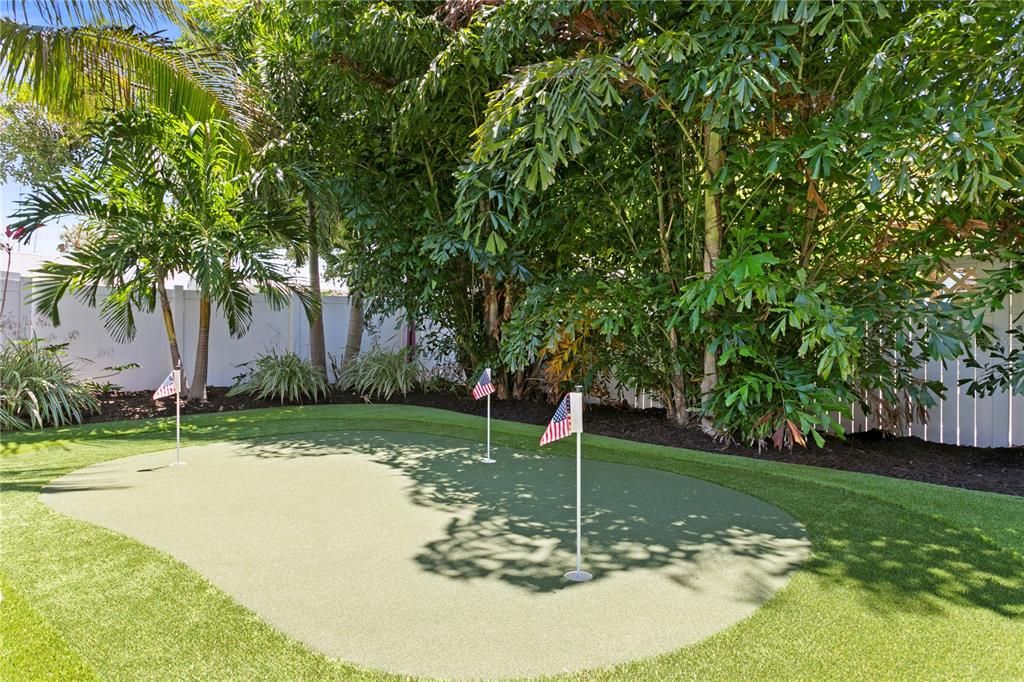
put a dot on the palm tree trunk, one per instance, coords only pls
(172, 336)
(712, 249)
(317, 343)
(198, 389)
(354, 340)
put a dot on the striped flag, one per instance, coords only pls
(561, 423)
(166, 389)
(484, 386)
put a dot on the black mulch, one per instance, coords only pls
(998, 470)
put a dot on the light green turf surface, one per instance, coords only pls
(907, 580)
(386, 548)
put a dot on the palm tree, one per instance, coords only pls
(186, 208)
(127, 242)
(234, 234)
(91, 56)
(81, 68)
(295, 179)
(280, 61)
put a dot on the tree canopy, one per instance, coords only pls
(742, 206)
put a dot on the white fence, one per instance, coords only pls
(993, 421)
(91, 348)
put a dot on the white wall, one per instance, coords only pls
(994, 421)
(91, 348)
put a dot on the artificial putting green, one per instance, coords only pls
(906, 580)
(384, 549)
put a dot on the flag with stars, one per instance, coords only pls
(484, 386)
(166, 389)
(561, 423)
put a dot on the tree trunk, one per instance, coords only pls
(492, 311)
(519, 385)
(410, 339)
(354, 340)
(713, 159)
(172, 336)
(317, 344)
(678, 409)
(198, 389)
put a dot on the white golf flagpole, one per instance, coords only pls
(177, 417)
(576, 426)
(487, 458)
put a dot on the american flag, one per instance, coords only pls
(484, 386)
(560, 424)
(166, 388)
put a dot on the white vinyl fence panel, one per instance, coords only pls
(91, 348)
(992, 421)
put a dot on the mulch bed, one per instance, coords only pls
(999, 470)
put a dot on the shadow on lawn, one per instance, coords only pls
(51, 480)
(913, 563)
(45, 479)
(514, 521)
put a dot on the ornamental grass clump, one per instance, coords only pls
(285, 378)
(380, 374)
(38, 388)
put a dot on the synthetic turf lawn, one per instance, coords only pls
(907, 580)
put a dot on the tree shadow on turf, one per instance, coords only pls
(920, 565)
(514, 521)
(518, 526)
(47, 480)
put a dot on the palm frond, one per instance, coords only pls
(60, 12)
(49, 284)
(81, 69)
(118, 314)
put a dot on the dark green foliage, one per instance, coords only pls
(744, 207)
(444, 378)
(35, 148)
(863, 149)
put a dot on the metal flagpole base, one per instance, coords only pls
(487, 460)
(177, 464)
(578, 576)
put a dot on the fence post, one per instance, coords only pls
(292, 301)
(27, 303)
(12, 308)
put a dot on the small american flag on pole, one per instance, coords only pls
(561, 423)
(484, 386)
(166, 389)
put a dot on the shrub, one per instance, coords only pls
(380, 373)
(285, 377)
(446, 377)
(38, 388)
